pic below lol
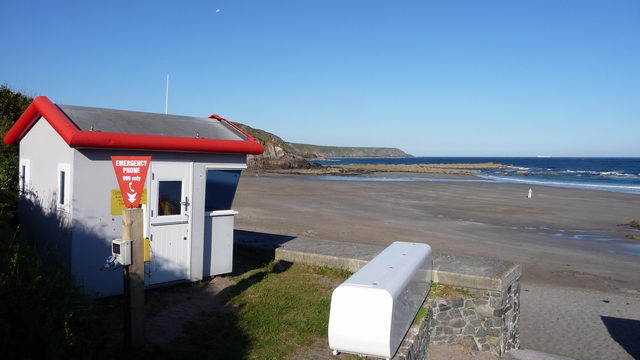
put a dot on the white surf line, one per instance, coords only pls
(632, 189)
(486, 179)
(396, 179)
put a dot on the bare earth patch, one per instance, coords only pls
(184, 306)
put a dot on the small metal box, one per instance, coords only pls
(121, 249)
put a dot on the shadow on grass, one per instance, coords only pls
(625, 332)
(46, 315)
(216, 334)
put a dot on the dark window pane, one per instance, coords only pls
(61, 190)
(23, 178)
(169, 197)
(221, 189)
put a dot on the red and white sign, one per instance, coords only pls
(131, 172)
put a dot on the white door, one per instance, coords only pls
(169, 219)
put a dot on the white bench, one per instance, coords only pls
(372, 311)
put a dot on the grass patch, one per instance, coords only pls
(335, 274)
(274, 310)
(446, 291)
(420, 316)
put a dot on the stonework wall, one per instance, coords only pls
(416, 342)
(480, 320)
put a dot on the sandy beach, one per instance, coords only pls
(579, 268)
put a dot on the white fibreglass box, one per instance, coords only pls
(372, 311)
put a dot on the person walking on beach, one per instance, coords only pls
(529, 194)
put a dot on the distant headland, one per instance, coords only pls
(326, 152)
(279, 154)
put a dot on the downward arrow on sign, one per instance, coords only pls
(131, 197)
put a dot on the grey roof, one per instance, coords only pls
(134, 122)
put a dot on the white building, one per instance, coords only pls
(72, 201)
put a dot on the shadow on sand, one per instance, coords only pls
(626, 332)
(266, 242)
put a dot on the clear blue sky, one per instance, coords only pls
(435, 78)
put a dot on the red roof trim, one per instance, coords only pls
(95, 139)
(41, 106)
(74, 137)
(220, 118)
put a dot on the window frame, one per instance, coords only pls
(206, 174)
(180, 200)
(24, 177)
(66, 200)
(208, 167)
(154, 203)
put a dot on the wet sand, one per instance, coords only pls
(567, 240)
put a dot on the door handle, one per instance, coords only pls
(185, 202)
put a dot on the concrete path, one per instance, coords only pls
(533, 355)
(578, 323)
(462, 271)
(457, 352)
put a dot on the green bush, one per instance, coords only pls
(12, 105)
(43, 314)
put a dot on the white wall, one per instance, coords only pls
(39, 217)
(95, 227)
(45, 149)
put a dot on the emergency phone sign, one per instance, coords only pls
(131, 172)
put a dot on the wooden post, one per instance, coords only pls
(127, 307)
(132, 229)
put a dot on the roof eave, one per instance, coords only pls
(76, 138)
(41, 106)
(108, 140)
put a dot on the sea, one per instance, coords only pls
(596, 173)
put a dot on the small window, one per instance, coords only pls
(63, 177)
(23, 183)
(221, 189)
(23, 179)
(63, 196)
(169, 197)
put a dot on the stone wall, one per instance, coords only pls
(480, 320)
(416, 341)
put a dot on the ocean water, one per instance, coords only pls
(606, 174)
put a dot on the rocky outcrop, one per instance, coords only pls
(277, 153)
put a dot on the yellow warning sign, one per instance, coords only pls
(147, 250)
(117, 204)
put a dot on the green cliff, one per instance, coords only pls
(319, 151)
